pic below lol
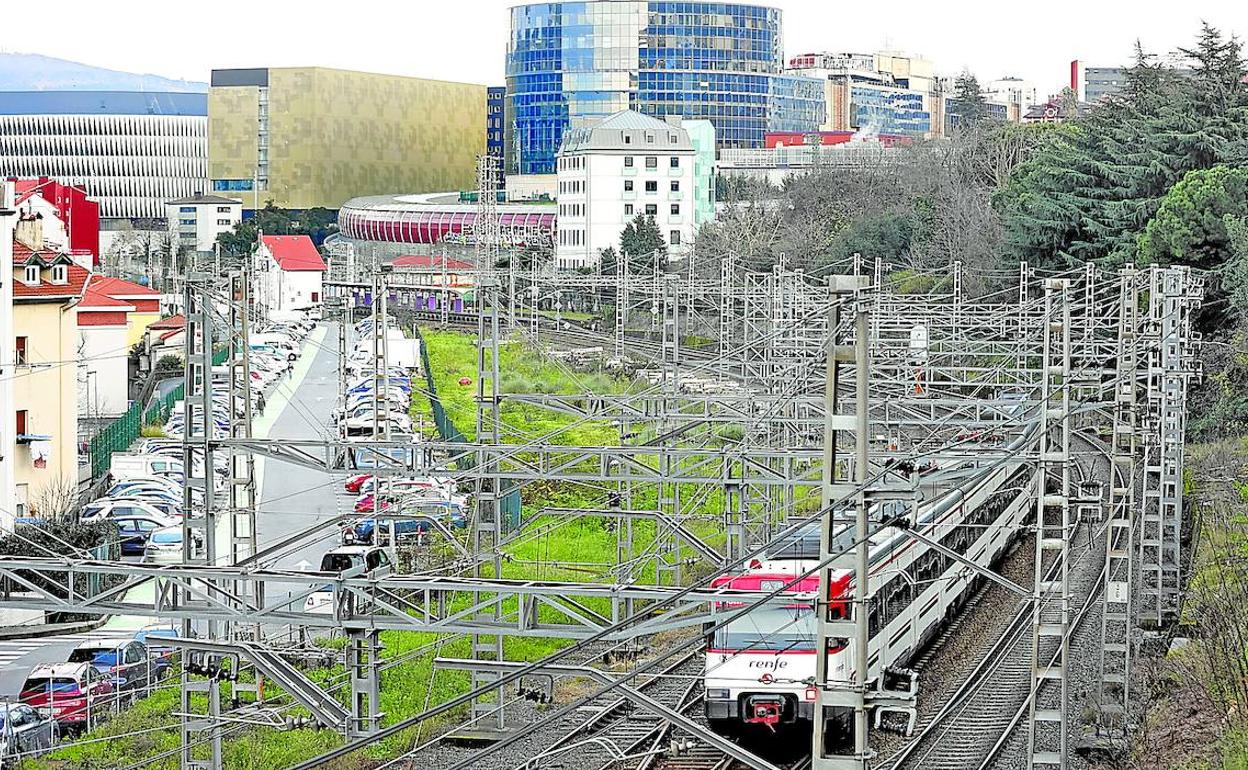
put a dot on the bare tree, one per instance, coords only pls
(57, 500)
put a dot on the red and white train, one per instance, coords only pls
(760, 668)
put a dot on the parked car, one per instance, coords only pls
(416, 520)
(347, 559)
(70, 693)
(133, 531)
(24, 731)
(354, 483)
(127, 663)
(119, 508)
(164, 546)
(161, 652)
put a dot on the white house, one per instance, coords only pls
(103, 349)
(198, 219)
(8, 428)
(289, 272)
(618, 167)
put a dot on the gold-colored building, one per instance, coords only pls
(308, 136)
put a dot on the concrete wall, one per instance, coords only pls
(103, 351)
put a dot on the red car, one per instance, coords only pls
(355, 482)
(73, 694)
(365, 504)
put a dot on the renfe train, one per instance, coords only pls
(760, 668)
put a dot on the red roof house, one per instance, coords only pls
(294, 252)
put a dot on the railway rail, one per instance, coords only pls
(972, 728)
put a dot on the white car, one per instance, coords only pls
(112, 508)
(164, 546)
(355, 559)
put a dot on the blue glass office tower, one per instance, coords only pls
(718, 61)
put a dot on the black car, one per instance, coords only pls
(129, 664)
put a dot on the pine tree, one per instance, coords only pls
(642, 244)
(969, 103)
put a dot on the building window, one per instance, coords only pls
(628, 209)
(316, 296)
(652, 209)
(628, 185)
(32, 275)
(186, 210)
(60, 274)
(675, 162)
(649, 138)
(652, 161)
(628, 161)
(675, 186)
(628, 139)
(19, 356)
(21, 422)
(675, 238)
(675, 209)
(187, 222)
(652, 186)
(223, 209)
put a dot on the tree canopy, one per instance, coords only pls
(642, 244)
(317, 223)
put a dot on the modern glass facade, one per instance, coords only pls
(719, 61)
(889, 110)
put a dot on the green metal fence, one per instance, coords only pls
(119, 434)
(510, 498)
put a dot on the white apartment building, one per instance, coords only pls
(198, 219)
(613, 169)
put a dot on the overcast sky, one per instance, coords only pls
(466, 39)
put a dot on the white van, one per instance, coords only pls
(125, 465)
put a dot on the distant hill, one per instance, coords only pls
(32, 72)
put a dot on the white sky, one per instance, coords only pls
(466, 39)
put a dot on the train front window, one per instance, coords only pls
(768, 628)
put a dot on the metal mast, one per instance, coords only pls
(1046, 739)
(1116, 623)
(840, 700)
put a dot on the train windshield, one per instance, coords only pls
(778, 629)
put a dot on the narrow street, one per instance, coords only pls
(290, 498)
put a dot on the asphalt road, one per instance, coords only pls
(290, 498)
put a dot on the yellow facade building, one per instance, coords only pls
(308, 136)
(46, 289)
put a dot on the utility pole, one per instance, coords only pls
(1116, 613)
(844, 701)
(1050, 641)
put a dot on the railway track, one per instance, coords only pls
(615, 735)
(976, 721)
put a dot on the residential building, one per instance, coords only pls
(573, 62)
(198, 219)
(71, 220)
(144, 303)
(1017, 93)
(8, 438)
(103, 372)
(616, 168)
(307, 136)
(289, 273)
(47, 285)
(1056, 110)
(166, 337)
(129, 151)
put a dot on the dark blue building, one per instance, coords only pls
(719, 61)
(495, 96)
